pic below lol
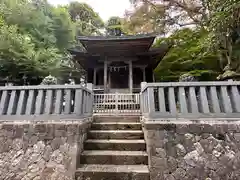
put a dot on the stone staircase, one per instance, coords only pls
(115, 150)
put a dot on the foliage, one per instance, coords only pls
(19, 55)
(145, 19)
(114, 26)
(87, 21)
(219, 20)
(49, 80)
(35, 38)
(187, 78)
(188, 56)
(180, 13)
(64, 28)
(224, 35)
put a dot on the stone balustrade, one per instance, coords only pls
(191, 99)
(42, 130)
(45, 102)
(192, 130)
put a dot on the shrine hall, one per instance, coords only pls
(119, 63)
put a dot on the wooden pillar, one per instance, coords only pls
(130, 76)
(144, 74)
(95, 77)
(153, 76)
(105, 76)
(86, 77)
(109, 79)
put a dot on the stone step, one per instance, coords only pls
(116, 126)
(115, 134)
(114, 157)
(115, 144)
(112, 172)
(99, 119)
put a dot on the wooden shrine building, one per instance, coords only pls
(119, 64)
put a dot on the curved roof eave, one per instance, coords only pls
(116, 38)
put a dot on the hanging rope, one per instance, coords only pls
(117, 68)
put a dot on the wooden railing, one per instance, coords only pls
(31, 102)
(193, 99)
(117, 104)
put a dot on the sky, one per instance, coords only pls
(105, 8)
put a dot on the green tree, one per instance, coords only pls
(114, 26)
(224, 35)
(180, 13)
(35, 37)
(217, 19)
(87, 20)
(30, 19)
(64, 28)
(145, 18)
(189, 55)
(19, 55)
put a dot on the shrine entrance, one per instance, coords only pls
(117, 103)
(119, 76)
(119, 64)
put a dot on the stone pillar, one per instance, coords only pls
(90, 86)
(95, 77)
(143, 84)
(105, 76)
(130, 77)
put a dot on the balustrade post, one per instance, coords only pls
(91, 98)
(143, 84)
(150, 100)
(90, 86)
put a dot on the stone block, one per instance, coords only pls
(172, 164)
(33, 140)
(179, 174)
(182, 129)
(170, 150)
(237, 137)
(159, 163)
(169, 177)
(150, 134)
(155, 174)
(8, 127)
(196, 129)
(18, 132)
(160, 152)
(157, 143)
(40, 128)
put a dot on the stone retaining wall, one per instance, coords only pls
(193, 150)
(40, 150)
